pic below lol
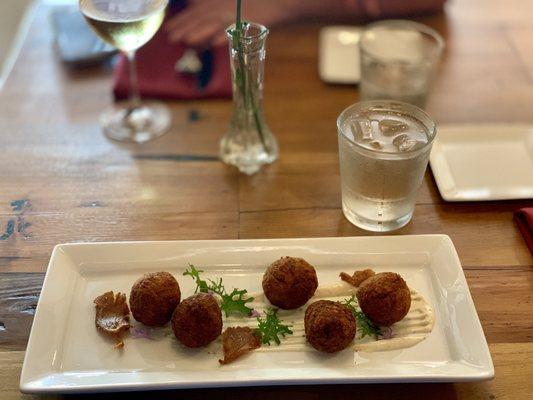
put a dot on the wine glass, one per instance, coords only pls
(128, 25)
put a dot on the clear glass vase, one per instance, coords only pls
(249, 143)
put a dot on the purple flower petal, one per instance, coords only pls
(141, 332)
(386, 333)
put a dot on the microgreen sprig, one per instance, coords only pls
(270, 328)
(364, 325)
(194, 273)
(234, 302)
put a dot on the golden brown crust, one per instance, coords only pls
(329, 326)
(237, 342)
(289, 282)
(384, 298)
(112, 315)
(197, 320)
(358, 277)
(154, 297)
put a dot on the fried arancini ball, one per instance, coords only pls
(384, 298)
(154, 297)
(329, 326)
(290, 282)
(197, 320)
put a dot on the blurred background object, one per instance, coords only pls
(164, 66)
(197, 27)
(15, 20)
(78, 46)
(399, 60)
(128, 25)
(203, 22)
(160, 78)
(339, 54)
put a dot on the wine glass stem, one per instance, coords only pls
(135, 97)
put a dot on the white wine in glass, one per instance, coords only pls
(128, 25)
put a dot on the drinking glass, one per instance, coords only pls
(128, 25)
(384, 149)
(398, 61)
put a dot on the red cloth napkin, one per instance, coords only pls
(524, 220)
(158, 77)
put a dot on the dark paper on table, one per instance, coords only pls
(158, 77)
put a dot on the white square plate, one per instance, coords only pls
(66, 354)
(483, 162)
(339, 54)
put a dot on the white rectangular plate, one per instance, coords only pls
(66, 354)
(483, 162)
(339, 54)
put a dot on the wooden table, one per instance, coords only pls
(62, 181)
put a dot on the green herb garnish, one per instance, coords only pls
(271, 327)
(364, 325)
(194, 273)
(231, 303)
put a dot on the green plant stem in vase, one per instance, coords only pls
(249, 143)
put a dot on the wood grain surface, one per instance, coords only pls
(61, 180)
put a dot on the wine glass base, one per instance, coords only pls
(141, 124)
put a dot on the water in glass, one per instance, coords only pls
(384, 152)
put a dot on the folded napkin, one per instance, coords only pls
(158, 77)
(524, 220)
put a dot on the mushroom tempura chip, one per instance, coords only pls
(358, 277)
(112, 315)
(237, 342)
